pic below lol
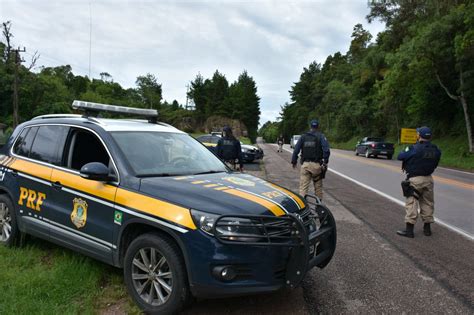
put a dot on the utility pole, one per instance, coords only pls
(18, 60)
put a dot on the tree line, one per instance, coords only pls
(51, 90)
(418, 71)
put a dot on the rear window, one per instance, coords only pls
(375, 139)
(24, 141)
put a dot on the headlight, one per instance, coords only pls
(237, 229)
(204, 221)
(246, 150)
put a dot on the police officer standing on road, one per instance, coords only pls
(280, 142)
(419, 162)
(229, 150)
(314, 159)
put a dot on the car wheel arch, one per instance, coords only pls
(137, 227)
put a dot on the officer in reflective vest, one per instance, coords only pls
(419, 162)
(314, 159)
(229, 150)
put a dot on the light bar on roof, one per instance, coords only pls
(90, 107)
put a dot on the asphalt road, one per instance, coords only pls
(373, 270)
(454, 190)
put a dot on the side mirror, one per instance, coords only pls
(95, 171)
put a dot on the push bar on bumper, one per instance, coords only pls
(311, 236)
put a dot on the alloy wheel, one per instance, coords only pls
(5, 222)
(152, 277)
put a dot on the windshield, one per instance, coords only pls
(166, 154)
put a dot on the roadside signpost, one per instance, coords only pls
(408, 136)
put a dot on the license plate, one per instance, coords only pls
(383, 152)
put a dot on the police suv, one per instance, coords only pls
(148, 198)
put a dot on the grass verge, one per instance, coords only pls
(42, 278)
(455, 152)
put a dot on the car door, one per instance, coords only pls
(83, 209)
(31, 170)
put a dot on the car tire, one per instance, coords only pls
(367, 154)
(389, 157)
(9, 233)
(155, 294)
(356, 152)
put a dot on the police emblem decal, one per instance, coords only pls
(239, 181)
(79, 213)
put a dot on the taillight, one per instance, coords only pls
(373, 145)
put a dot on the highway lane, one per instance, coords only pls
(454, 190)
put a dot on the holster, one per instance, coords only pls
(324, 169)
(409, 190)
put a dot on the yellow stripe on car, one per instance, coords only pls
(275, 209)
(292, 195)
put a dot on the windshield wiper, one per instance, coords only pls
(209, 172)
(157, 175)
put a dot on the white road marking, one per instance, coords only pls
(397, 201)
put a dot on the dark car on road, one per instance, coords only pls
(374, 146)
(250, 153)
(148, 198)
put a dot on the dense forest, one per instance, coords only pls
(418, 71)
(51, 90)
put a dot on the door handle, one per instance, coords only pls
(57, 185)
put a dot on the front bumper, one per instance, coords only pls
(280, 258)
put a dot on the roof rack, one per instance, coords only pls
(93, 109)
(56, 116)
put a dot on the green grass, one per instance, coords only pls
(42, 278)
(455, 152)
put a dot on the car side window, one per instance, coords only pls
(84, 147)
(23, 143)
(47, 142)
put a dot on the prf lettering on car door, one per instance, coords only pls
(31, 198)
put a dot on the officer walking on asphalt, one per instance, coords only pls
(280, 142)
(419, 162)
(229, 150)
(314, 159)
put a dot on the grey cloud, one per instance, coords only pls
(272, 40)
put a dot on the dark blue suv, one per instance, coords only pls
(148, 198)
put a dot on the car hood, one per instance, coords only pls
(224, 193)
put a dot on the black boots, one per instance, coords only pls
(408, 232)
(427, 229)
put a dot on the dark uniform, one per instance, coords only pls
(314, 159)
(229, 150)
(419, 162)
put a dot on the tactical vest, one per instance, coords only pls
(311, 147)
(229, 151)
(425, 160)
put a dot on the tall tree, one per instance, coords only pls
(149, 90)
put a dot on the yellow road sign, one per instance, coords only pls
(408, 136)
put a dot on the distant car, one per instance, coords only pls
(294, 140)
(250, 153)
(373, 146)
(216, 133)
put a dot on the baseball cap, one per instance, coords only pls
(314, 123)
(424, 132)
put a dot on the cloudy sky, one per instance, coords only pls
(176, 40)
